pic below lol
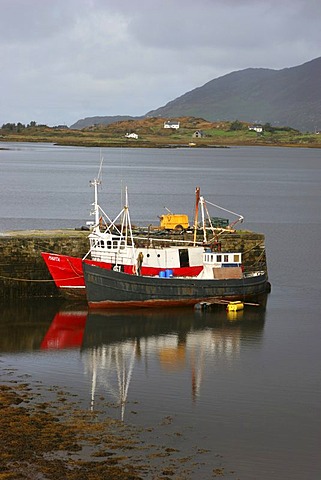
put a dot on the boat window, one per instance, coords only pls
(115, 244)
(108, 244)
(102, 244)
(219, 258)
(225, 258)
(183, 257)
(148, 255)
(122, 245)
(237, 258)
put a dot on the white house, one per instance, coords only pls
(256, 128)
(171, 124)
(198, 134)
(131, 135)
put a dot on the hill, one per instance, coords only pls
(287, 97)
(290, 97)
(89, 121)
(155, 126)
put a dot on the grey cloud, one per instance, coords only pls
(25, 22)
(66, 59)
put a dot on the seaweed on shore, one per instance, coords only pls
(37, 442)
(55, 439)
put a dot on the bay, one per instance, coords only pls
(247, 389)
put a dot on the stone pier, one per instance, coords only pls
(23, 273)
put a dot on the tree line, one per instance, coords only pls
(19, 127)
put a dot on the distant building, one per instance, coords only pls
(171, 124)
(256, 128)
(60, 127)
(131, 135)
(198, 134)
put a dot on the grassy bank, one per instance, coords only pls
(151, 134)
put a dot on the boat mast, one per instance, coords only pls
(202, 202)
(197, 199)
(94, 183)
(126, 229)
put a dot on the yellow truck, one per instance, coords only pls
(173, 221)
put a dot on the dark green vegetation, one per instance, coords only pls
(151, 133)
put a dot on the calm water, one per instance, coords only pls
(247, 388)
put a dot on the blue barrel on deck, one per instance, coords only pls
(161, 274)
(168, 273)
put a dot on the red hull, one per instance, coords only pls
(66, 271)
(68, 276)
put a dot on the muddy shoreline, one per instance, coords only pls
(55, 439)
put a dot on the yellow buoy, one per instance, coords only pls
(235, 306)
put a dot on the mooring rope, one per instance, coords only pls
(31, 280)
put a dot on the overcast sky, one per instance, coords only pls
(62, 60)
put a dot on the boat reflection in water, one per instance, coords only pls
(177, 340)
(66, 330)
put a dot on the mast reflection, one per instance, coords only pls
(111, 366)
(177, 340)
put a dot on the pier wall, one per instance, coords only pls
(23, 272)
(252, 247)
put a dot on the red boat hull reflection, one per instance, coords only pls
(66, 330)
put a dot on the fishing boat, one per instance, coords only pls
(114, 246)
(115, 289)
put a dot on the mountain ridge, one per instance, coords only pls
(285, 97)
